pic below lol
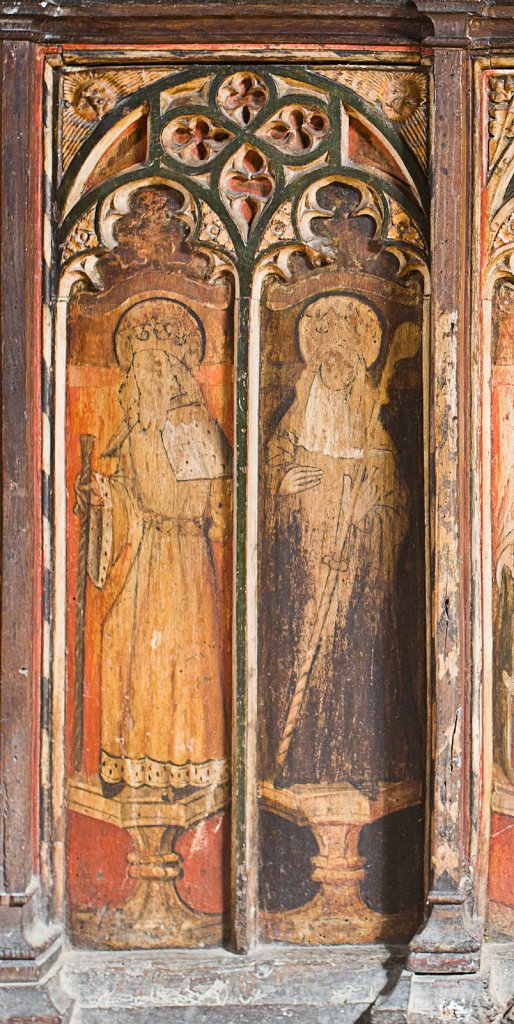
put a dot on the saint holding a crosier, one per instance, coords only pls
(339, 513)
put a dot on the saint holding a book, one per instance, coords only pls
(163, 721)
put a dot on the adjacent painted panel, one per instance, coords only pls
(342, 620)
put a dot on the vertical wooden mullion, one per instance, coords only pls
(243, 887)
(448, 942)
(20, 613)
(21, 897)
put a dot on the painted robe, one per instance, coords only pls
(163, 719)
(358, 723)
(503, 709)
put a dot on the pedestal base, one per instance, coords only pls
(320, 922)
(449, 942)
(28, 946)
(336, 814)
(152, 916)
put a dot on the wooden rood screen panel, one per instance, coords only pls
(242, 295)
(497, 417)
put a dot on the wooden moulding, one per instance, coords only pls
(449, 942)
(27, 943)
(269, 22)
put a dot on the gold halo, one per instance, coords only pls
(159, 324)
(339, 321)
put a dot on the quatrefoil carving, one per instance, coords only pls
(242, 96)
(296, 129)
(194, 140)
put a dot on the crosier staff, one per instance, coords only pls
(87, 442)
(404, 346)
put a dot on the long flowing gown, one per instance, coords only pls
(358, 722)
(163, 719)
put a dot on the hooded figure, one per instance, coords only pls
(152, 521)
(357, 721)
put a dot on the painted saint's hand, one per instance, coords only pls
(81, 495)
(300, 478)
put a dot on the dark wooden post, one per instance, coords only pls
(449, 942)
(22, 956)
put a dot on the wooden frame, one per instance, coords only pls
(450, 38)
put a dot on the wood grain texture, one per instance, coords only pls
(268, 22)
(99, 24)
(20, 616)
(447, 943)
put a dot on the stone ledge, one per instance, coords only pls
(274, 984)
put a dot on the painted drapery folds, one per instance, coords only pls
(229, 232)
(341, 587)
(497, 333)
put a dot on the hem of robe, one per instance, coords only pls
(144, 771)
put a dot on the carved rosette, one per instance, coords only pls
(246, 136)
(227, 178)
(280, 228)
(213, 231)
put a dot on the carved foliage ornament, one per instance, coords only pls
(501, 114)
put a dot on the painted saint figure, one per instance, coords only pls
(163, 721)
(357, 722)
(504, 633)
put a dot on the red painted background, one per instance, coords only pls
(97, 851)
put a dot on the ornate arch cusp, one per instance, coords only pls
(245, 145)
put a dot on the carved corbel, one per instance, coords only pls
(454, 24)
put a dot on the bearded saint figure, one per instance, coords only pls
(153, 520)
(358, 721)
